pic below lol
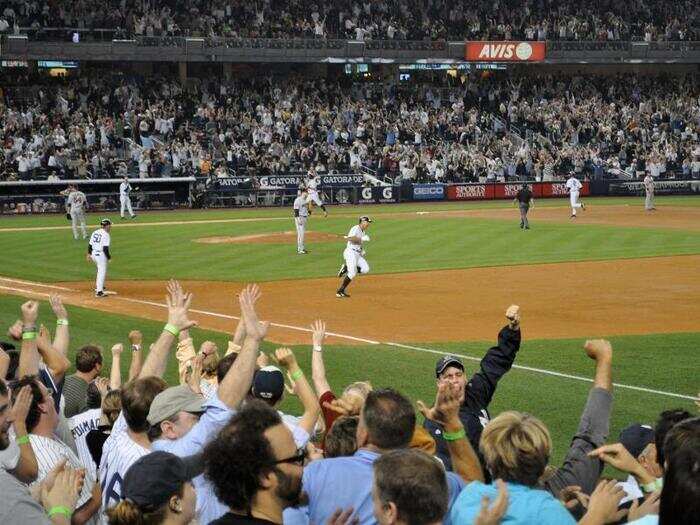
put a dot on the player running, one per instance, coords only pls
(98, 252)
(312, 184)
(354, 255)
(574, 186)
(76, 204)
(301, 214)
(125, 198)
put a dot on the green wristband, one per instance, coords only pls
(454, 436)
(171, 329)
(62, 322)
(655, 485)
(27, 336)
(297, 375)
(24, 440)
(60, 510)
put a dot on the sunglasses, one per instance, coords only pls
(297, 459)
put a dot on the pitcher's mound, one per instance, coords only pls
(288, 237)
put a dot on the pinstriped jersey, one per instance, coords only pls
(79, 426)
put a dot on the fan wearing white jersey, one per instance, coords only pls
(125, 198)
(354, 255)
(312, 184)
(82, 423)
(301, 215)
(574, 186)
(98, 252)
(75, 207)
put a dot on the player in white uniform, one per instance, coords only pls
(98, 251)
(75, 206)
(301, 214)
(649, 189)
(574, 186)
(125, 198)
(354, 255)
(312, 184)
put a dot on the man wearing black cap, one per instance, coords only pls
(478, 392)
(639, 441)
(354, 255)
(525, 202)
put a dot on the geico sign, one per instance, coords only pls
(505, 51)
(470, 192)
(435, 190)
(559, 189)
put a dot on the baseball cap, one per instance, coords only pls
(268, 383)
(173, 400)
(105, 222)
(636, 437)
(447, 361)
(365, 218)
(155, 477)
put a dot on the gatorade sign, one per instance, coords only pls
(505, 51)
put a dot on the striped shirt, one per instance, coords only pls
(75, 394)
(118, 454)
(49, 452)
(79, 426)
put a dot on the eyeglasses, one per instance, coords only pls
(297, 459)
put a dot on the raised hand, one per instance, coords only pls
(136, 337)
(318, 332)
(513, 316)
(446, 407)
(178, 302)
(285, 357)
(117, 349)
(598, 349)
(21, 406)
(57, 306)
(102, 384)
(15, 331)
(255, 329)
(343, 407)
(30, 312)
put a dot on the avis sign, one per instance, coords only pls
(505, 51)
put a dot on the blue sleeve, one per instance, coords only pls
(455, 484)
(552, 512)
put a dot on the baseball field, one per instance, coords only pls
(442, 276)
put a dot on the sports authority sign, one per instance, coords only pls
(505, 51)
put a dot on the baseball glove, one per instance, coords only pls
(68, 216)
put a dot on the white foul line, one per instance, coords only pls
(372, 342)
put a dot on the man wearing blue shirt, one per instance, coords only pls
(387, 423)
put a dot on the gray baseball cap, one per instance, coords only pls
(173, 400)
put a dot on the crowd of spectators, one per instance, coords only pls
(647, 20)
(87, 447)
(493, 127)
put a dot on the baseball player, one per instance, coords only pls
(312, 184)
(301, 214)
(525, 202)
(76, 205)
(98, 251)
(649, 188)
(354, 255)
(574, 186)
(125, 198)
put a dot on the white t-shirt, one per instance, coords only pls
(80, 425)
(574, 185)
(98, 240)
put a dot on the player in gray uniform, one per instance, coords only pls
(301, 214)
(76, 204)
(649, 188)
(354, 255)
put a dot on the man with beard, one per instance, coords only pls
(255, 467)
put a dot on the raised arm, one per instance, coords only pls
(178, 303)
(136, 340)
(29, 355)
(55, 361)
(464, 460)
(318, 368)
(27, 468)
(236, 384)
(61, 339)
(497, 361)
(235, 344)
(285, 357)
(115, 372)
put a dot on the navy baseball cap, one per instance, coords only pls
(156, 477)
(365, 218)
(105, 222)
(636, 437)
(268, 384)
(447, 361)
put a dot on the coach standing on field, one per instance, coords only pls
(525, 202)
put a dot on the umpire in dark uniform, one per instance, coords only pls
(525, 202)
(478, 392)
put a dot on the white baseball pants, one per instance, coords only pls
(313, 197)
(77, 217)
(574, 202)
(126, 205)
(300, 223)
(353, 261)
(100, 261)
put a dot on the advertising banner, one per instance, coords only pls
(377, 194)
(234, 183)
(499, 190)
(669, 187)
(428, 192)
(293, 181)
(470, 192)
(505, 51)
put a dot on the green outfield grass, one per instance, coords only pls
(400, 243)
(667, 362)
